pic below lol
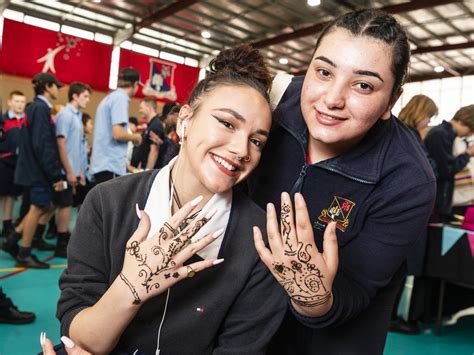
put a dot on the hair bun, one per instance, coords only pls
(243, 60)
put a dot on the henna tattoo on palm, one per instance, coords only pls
(303, 280)
(290, 249)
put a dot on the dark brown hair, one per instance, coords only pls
(77, 88)
(15, 93)
(239, 65)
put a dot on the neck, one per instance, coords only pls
(74, 104)
(186, 184)
(17, 114)
(319, 151)
(150, 117)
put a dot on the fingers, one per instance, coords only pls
(46, 345)
(193, 248)
(273, 230)
(184, 212)
(304, 228)
(331, 249)
(182, 239)
(265, 255)
(143, 227)
(188, 271)
(288, 232)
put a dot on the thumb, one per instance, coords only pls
(331, 248)
(143, 227)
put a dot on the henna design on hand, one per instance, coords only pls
(130, 286)
(302, 280)
(290, 249)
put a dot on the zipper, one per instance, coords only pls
(299, 182)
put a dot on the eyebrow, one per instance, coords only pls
(241, 118)
(359, 72)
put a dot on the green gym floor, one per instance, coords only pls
(37, 291)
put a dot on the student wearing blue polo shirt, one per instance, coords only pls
(69, 134)
(109, 156)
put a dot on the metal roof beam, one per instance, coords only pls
(156, 16)
(311, 30)
(444, 47)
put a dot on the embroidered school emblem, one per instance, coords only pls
(338, 211)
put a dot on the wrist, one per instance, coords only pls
(318, 310)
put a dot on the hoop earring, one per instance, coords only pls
(245, 159)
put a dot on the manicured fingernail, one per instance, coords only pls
(210, 214)
(217, 233)
(67, 342)
(196, 201)
(218, 261)
(137, 210)
(42, 338)
(298, 199)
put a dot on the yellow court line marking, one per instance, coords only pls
(13, 269)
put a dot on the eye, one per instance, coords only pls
(323, 73)
(257, 143)
(364, 87)
(226, 123)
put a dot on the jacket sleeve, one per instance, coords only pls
(44, 143)
(254, 317)
(85, 280)
(396, 220)
(440, 149)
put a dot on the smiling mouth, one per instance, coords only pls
(327, 117)
(224, 163)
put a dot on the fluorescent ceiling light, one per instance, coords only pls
(99, 37)
(283, 61)
(206, 34)
(172, 57)
(38, 22)
(13, 15)
(77, 32)
(439, 69)
(191, 62)
(145, 50)
(314, 2)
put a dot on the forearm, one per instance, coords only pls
(98, 328)
(119, 133)
(152, 156)
(63, 157)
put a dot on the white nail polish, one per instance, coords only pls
(137, 210)
(218, 261)
(196, 201)
(67, 342)
(217, 233)
(210, 214)
(42, 338)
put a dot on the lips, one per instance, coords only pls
(227, 166)
(327, 119)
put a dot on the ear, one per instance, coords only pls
(185, 114)
(388, 111)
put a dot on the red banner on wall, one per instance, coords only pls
(28, 50)
(166, 81)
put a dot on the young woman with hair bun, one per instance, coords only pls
(136, 281)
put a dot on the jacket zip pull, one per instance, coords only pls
(299, 183)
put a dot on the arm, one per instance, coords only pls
(254, 317)
(397, 219)
(92, 312)
(119, 133)
(44, 144)
(71, 178)
(152, 156)
(440, 149)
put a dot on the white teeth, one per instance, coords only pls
(224, 163)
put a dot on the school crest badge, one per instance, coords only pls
(338, 211)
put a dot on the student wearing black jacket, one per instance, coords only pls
(38, 168)
(141, 294)
(439, 143)
(336, 147)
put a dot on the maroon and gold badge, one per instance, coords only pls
(338, 211)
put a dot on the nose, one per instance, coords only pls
(335, 96)
(239, 145)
